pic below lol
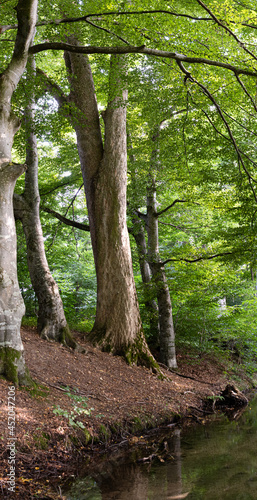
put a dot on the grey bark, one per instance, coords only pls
(167, 333)
(51, 322)
(12, 363)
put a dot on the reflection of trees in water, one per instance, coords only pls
(126, 483)
(145, 481)
(219, 462)
(166, 481)
(148, 481)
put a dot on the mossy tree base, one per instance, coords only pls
(13, 368)
(134, 353)
(61, 334)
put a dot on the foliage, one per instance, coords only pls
(203, 154)
(80, 407)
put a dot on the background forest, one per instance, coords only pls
(191, 160)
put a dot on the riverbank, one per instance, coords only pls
(86, 402)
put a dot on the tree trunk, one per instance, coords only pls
(12, 363)
(150, 304)
(117, 325)
(167, 333)
(51, 323)
(117, 321)
(12, 308)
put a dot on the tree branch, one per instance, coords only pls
(56, 22)
(107, 31)
(157, 214)
(53, 88)
(218, 108)
(59, 185)
(228, 139)
(68, 222)
(142, 49)
(198, 258)
(226, 28)
(246, 91)
(140, 215)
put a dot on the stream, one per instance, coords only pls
(215, 461)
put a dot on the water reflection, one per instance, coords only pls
(214, 462)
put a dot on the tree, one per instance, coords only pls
(12, 363)
(51, 323)
(202, 68)
(180, 59)
(104, 171)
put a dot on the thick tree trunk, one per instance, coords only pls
(117, 325)
(51, 323)
(12, 363)
(167, 333)
(117, 321)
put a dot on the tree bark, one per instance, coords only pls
(150, 304)
(12, 364)
(51, 322)
(117, 326)
(167, 333)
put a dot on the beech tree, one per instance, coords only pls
(12, 363)
(51, 322)
(171, 37)
(104, 170)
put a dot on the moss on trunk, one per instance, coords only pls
(12, 366)
(64, 335)
(134, 353)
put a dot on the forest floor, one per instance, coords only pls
(120, 402)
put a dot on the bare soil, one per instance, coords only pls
(122, 403)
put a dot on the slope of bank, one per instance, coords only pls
(84, 402)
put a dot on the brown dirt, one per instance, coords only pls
(125, 400)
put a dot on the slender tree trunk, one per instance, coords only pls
(150, 304)
(12, 363)
(117, 325)
(51, 323)
(167, 333)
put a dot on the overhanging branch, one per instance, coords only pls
(220, 112)
(142, 49)
(70, 20)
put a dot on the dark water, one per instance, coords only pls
(217, 461)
